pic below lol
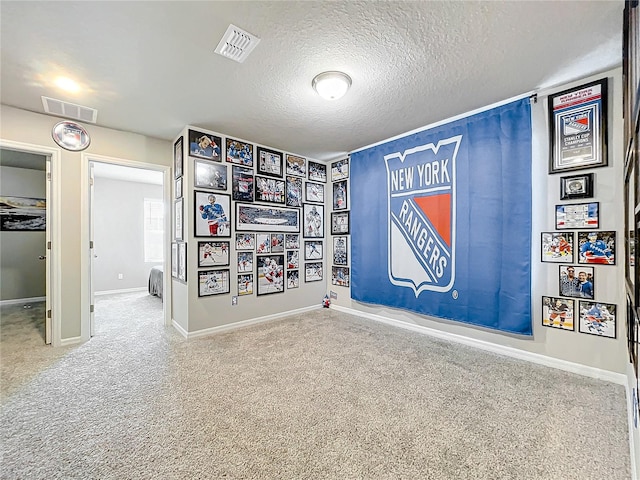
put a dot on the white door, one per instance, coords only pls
(92, 254)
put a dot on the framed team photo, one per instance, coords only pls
(213, 254)
(177, 188)
(239, 152)
(209, 175)
(313, 272)
(339, 223)
(270, 190)
(577, 282)
(212, 214)
(317, 172)
(245, 262)
(245, 284)
(293, 279)
(263, 243)
(557, 247)
(245, 241)
(292, 241)
(277, 242)
(577, 216)
(294, 191)
(213, 282)
(597, 247)
(205, 146)
(178, 209)
(313, 221)
(174, 260)
(576, 186)
(558, 313)
(178, 163)
(340, 245)
(313, 250)
(269, 162)
(293, 259)
(340, 170)
(340, 195)
(296, 166)
(270, 274)
(182, 261)
(598, 318)
(314, 192)
(242, 183)
(340, 276)
(263, 218)
(578, 127)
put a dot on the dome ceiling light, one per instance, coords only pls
(331, 85)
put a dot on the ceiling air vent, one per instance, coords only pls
(237, 44)
(69, 110)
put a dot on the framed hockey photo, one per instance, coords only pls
(177, 188)
(576, 186)
(313, 221)
(577, 216)
(597, 247)
(317, 172)
(293, 259)
(296, 166)
(340, 276)
(262, 218)
(577, 282)
(270, 190)
(293, 279)
(182, 261)
(314, 192)
(174, 260)
(340, 245)
(558, 313)
(205, 146)
(294, 191)
(245, 241)
(557, 247)
(245, 262)
(578, 127)
(597, 318)
(245, 284)
(213, 282)
(263, 243)
(213, 254)
(239, 152)
(292, 241)
(209, 175)
(212, 214)
(313, 272)
(340, 170)
(340, 195)
(269, 162)
(178, 162)
(242, 183)
(270, 274)
(313, 250)
(277, 243)
(339, 223)
(178, 219)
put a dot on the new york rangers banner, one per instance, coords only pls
(441, 221)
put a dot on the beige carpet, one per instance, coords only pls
(323, 395)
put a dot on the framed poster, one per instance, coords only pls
(262, 218)
(178, 164)
(213, 282)
(340, 245)
(314, 192)
(213, 254)
(558, 313)
(245, 262)
(317, 172)
(23, 214)
(270, 274)
(340, 195)
(182, 261)
(293, 279)
(340, 170)
(240, 153)
(209, 175)
(245, 241)
(293, 259)
(205, 146)
(578, 127)
(294, 191)
(211, 212)
(339, 223)
(598, 318)
(174, 260)
(313, 222)
(177, 188)
(270, 190)
(577, 282)
(313, 250)
(277, 243)
(557, 247)
(178, 214)
(597, 247)
(296, 166)
(242, 183)
(245, 284)
(578, 215)
(263, 243)
(340, 276)
(292, 241)
(313, 272)
(269, 162)
(576, 186)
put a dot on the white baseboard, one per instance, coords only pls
(179, 328)
(242, 324)
(16, 301)
(537, 358)
(633, 431)
(122, 290)
(71, 341)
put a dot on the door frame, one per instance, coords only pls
(86, 251)
(53, 328)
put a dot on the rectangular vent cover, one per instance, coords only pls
(237, 44)
(69, 110)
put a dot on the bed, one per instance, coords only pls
(155, 281)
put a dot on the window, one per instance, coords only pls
(153, 230)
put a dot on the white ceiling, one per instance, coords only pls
(149, 67)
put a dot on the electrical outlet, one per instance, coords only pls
(120, 276)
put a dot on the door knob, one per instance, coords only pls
(42, 257)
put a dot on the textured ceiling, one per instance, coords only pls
(149, 67)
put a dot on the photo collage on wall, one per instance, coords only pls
(340, 273)
(252, 208)
(578, 246)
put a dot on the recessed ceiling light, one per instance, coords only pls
(66, 84)
(331, 85)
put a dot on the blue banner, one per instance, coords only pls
(441, 221)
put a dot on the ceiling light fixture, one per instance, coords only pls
(331, 85)
(67, 84)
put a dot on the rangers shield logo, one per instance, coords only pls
(421, 190)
